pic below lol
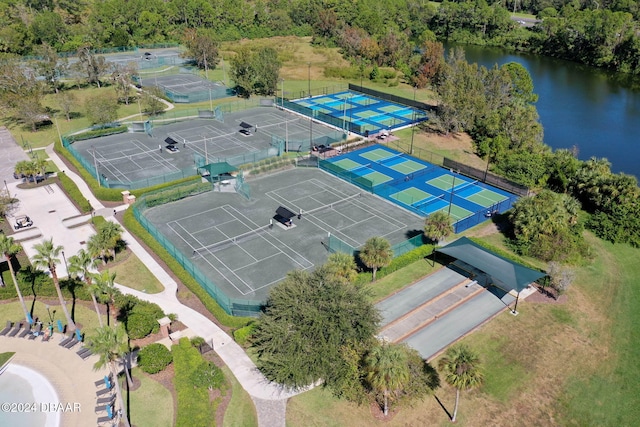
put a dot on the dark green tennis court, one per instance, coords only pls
(238, 250)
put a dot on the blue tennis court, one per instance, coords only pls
(419, 186)
(362, 113)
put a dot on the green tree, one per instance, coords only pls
(460, 367)
(202, 48)
(376, 253)
(46, 257)
(9, 248)
(94, 67)
(342, 267)
(387, 371)
(50, 66)
(255, 71)
(102, 108)
(437, 226)
(309, 320)
(98, 247)
(112, 346)
(81, 264)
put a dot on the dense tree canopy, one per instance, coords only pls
(310, 319)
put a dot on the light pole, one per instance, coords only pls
(413, 119)
(65, 263)
(282, 90)
(309, 79)
(95, 164)
(453, 184)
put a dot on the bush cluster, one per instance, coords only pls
(242, 335)
(194, 408)
(270, 164)
(154, 358)
(140, 317)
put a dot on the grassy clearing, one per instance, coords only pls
(241, 411)
(132, 273)
(569, 364)
(151, 404)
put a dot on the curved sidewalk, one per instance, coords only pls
(262, 391)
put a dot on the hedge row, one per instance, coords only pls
(74, 192)
(96, 133)
(194, 408)
(183, 276)
(110, 194)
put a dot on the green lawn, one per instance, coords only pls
(559, 364)
(5, 356)
(151, 404)
(85, 316)
(241, 411)
(133, 274)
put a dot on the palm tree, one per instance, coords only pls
(47, 257)
(112, 345)
(106, 289)
(98, 247)
(111, 234)
(376, 253)
(387, 368)
(438, 226)
(81, 264)
(9, 248)
(342, 266)
(461, 368)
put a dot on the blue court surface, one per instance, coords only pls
(419, 186)
(362, 113)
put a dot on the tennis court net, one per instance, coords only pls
(388, 160)
(149, 153)
(464, 186)
(333, 205)
(429, 201)
(232, 241)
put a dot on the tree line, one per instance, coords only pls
(381, 32)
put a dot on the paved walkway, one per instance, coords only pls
(262, 391)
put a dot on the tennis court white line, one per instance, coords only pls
(211, 265)
(231, 237)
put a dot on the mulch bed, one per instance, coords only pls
(546, 296)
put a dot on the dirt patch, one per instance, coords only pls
(546, 295)
(378, 413)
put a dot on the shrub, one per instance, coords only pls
(194, 408)
(243, 334)
(154, 358)
(207, 375)
(140, 325)
(96, 133)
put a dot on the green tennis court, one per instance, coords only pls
(407, 167)
(410, 196)
(377, 154)
(377, 178)
(367, 114)
(390, 109)
(457, 213)
(348, 164)
(443, 182)
(486, 198)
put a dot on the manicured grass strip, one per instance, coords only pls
(5, 356)
(133, 274)
(241, 410)
(147, 400)
(609, 397)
